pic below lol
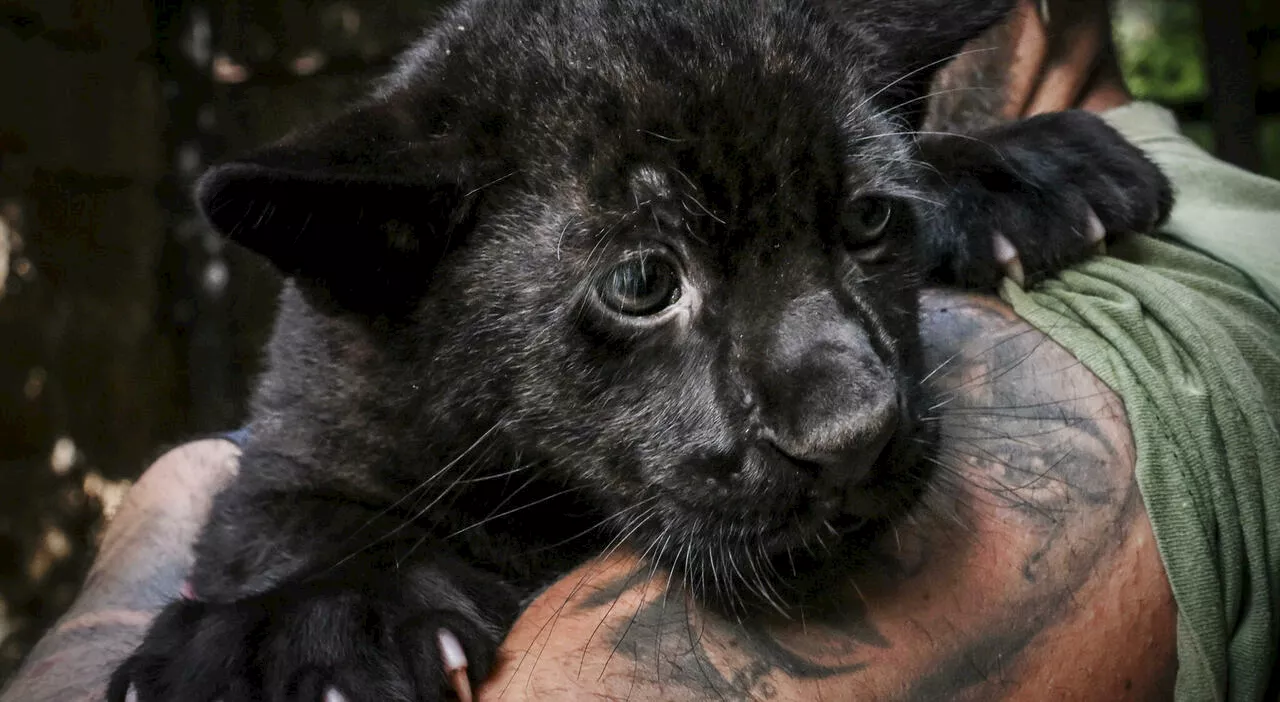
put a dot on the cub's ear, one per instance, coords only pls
(361, 206)
(909, 41)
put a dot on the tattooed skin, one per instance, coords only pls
(1028, 572)
(1012, 580)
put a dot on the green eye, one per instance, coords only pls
(640, 287)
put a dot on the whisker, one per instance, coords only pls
(417, 489)
(493, 182)
(925, 67)
(662, 137)
(513, 510)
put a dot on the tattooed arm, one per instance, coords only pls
(144, 559)
(1030, 571)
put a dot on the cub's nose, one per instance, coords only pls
(826, 397)
(840, 433)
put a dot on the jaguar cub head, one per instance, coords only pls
(658, 251)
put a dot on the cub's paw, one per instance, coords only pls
(1033, 197)
(320, 642)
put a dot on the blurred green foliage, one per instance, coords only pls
(1264, 31)
(1162, 54)
(1161, 49)
(1269, 142)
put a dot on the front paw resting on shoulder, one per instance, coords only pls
(1040, 194)
(369, 639)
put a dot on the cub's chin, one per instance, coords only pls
(763, 549)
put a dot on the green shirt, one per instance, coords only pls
(1193, 348)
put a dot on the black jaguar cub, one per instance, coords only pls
(589, 272)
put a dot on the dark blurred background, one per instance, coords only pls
(125, 327)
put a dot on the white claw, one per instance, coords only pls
(1003, 249)
(332, 695)
(451, 652)
(131, 695)
(455, 663)
(1007, 255)
(1096, 231)
(1097, 234)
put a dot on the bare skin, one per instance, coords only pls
(145, 556)
(1029, 571)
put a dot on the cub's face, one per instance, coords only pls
(695, 293)
(715, 334)
(663, 255)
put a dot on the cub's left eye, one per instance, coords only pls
(866, 220)
(640, 287)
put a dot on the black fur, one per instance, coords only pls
(455, 409)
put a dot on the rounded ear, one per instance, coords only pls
(360, 205)
(909, 41)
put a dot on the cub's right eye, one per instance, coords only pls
(640, 287)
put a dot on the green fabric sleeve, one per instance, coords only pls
(1229, 213)
(1193, 348)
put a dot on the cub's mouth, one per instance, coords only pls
(775, 502)
(750, 549)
